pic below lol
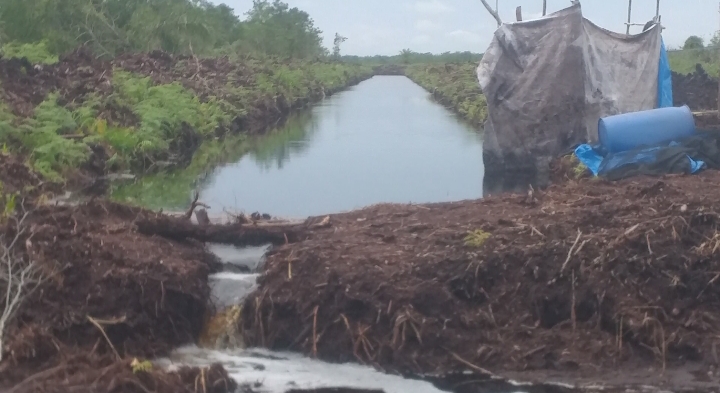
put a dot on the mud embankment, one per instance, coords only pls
(98, 298)
(455, 86)
(698, 90)
(588, 282)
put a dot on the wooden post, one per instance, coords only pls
(545, 7)
(629, 15)
(518, 13)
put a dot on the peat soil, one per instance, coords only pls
(109, 294)
(697, 90)
(588, 282)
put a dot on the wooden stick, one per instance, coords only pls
(97, 325)
(492, 12)
(572, 310)
(315, 339)
(570, 253)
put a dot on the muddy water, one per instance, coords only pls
(384, 140)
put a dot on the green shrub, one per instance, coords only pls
(35, 53)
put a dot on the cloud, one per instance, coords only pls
(368, 39)
(465, 36)
(421, 39)
(432, 7)
(425, 25)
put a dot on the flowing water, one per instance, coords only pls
(384, 140)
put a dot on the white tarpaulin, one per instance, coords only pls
(548, 81)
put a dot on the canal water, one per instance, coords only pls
(383, 140)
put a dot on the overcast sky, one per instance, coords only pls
(388, 26)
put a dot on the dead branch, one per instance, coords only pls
(193, 205)
(99, 326)
(570, 253)
(20, 276)
(492, 12)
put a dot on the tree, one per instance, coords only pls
(694, 42)
(715, 40)
(276, 29)
(406, 56)
(336, 45)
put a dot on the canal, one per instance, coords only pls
(383, 141)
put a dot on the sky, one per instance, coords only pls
(386, 27)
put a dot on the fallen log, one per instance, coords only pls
(236, 234)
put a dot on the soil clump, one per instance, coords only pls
(578, 280)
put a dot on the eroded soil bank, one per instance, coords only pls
(101, 295)
(580, 282)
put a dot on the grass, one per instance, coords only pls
(685, 61)
(455, 86)
(476, 238)
(37, 53)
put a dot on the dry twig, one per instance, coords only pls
(570, 253)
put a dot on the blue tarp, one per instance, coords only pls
(665, 93)
(599, 163)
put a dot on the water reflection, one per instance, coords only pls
(384, 140)
(292, 138)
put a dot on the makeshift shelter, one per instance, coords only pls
(548, 81)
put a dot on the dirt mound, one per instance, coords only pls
(90, 373)
(78, 73)
(698, 90)
(15, 176)
(580, 279)
(147, 293)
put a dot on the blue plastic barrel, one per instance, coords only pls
(646, 128)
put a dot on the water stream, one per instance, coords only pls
(384, 140)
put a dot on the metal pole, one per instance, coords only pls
(545, 7)
(629, 14)
(518, 13)
(657, 10)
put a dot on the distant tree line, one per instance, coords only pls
(197, 27)
(407, 56)
(696, 42)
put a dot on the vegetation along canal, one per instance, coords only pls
(383, 140)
